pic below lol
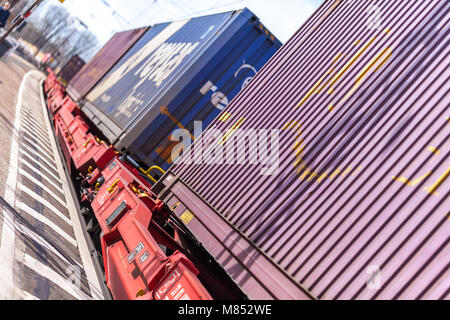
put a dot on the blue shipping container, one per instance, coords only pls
(176, 74)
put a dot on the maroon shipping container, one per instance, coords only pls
(71, 68)
(103, 61)
(352, 115)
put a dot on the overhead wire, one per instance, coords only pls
(211, 8)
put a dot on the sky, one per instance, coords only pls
(281, 17)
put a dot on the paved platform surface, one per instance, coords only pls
(43, 252)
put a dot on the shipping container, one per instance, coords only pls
(176, 74)
(71, 68)
(102, 62)
(343, 191)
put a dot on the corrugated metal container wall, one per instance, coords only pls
(103, 61)
(359, 206)
(178, 73)
(72, 67)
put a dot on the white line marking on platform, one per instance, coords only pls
(42, 186)
(40, 145)
(44, 202)
(7, 244)
(29, 152)
(32, 116)
(42, 174)
(47, 222)
(47, 171)
(33, 124)
(32, 128)
(43, 242)
(53, 276)
(35, 135)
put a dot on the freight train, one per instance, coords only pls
(326, 177)
(147, 252)
(191, 67)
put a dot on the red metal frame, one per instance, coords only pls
(129, 214)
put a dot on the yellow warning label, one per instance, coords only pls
(187, 216)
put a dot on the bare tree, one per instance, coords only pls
(51, 30)
(52, 24)
(84, 43)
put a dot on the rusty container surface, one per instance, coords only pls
(347, 193)
(103, 61)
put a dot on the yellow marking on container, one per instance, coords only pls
(231, 131)
(402, 180)
(301, 167)
(299, 134)
(358, 169)
(448, 120)
(306, 173)
(315, 89)
(294, 125)
(225, 116)
(432, 189)
(349, 64)
(346, 171)
(418, 180)
(335, 173)
(287, 125)
(312, 176)
(298, 144)
(323, 176)
(299, 151)
(187, 217)
(387, 52)
(434, 150)
(409, 183)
